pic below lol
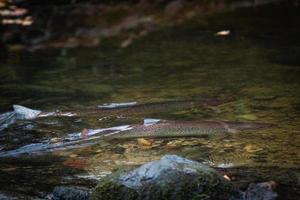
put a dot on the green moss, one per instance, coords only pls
(108, 189)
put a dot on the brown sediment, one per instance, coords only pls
(78, 163)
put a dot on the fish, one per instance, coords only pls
(187, 129)
(132, 109)
(139, 109)
(23, 113)
(159, 129)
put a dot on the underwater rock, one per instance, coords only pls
(69, 193)
(144, 142)
(261, 191)
(5, 195)
(171, 177)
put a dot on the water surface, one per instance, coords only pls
(258, 64)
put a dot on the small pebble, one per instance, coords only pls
(144, 142)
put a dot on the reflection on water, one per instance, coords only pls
(257, 63)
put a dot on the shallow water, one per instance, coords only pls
(258, 64)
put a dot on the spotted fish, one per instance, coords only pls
(163, 129)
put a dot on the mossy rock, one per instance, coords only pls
(171, 177)
(110, 189)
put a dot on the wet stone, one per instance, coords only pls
(144, 142)
(14, 196)
(118, 150)
(262, 191)
(251, 148)
(174, 177)
(69, 193)
(171, 177)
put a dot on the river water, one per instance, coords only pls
(257, 64)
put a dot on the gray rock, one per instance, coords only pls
(69, 193)
(171, 177)
(4, 195)
(261, 191)
(174, 177)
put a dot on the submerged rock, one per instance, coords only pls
(5, 195)
(261, 191)
(171, 177)
(69, 193)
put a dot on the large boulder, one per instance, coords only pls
(171, 177)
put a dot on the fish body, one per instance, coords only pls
(131, 109)
(171, 129)
(146, 109)
(165, 129)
